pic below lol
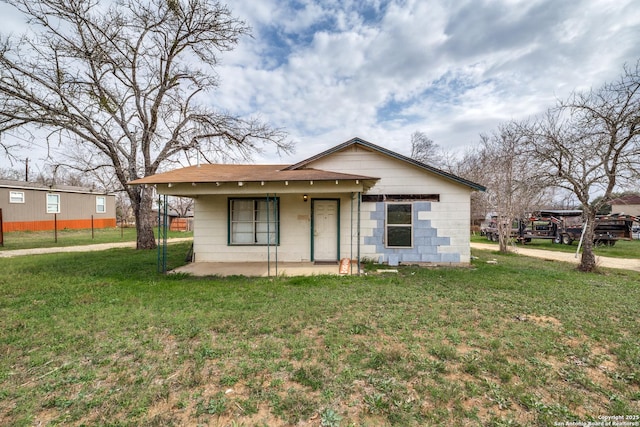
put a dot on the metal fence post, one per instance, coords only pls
(1, 230)
(162, 233)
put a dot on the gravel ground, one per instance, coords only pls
(620, 263)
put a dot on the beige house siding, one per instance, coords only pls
(450, 216)
(626, 209)
(211, 222)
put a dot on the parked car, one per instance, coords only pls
(635, 233)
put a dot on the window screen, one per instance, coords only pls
(399, 230)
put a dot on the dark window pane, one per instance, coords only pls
(399, 236)
(398, 214)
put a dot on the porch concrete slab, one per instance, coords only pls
(260, 269)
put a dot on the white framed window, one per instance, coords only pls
(101, 204)
(253, 221)
(53, 203)
(399, 225)
(16, 196)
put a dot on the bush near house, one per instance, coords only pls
(106, 341)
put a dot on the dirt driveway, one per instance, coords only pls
(608, 262)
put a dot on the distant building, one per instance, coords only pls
(177, 220)
(27, 206)
(629, 204)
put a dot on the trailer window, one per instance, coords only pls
(53, 203)
(101, 204)
(16, 196)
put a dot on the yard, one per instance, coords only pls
(101, 339)
(47, 239)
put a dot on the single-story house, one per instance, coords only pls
(28, 206)
(629, 205)
(356, 200)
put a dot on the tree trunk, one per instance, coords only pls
(143, 211)
(588, 260)
(503, 242)
(504, 233)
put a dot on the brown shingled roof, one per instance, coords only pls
(629, 199)
(245, 173)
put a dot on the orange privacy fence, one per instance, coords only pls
(179, 224)
(70, 224)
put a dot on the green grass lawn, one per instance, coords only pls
(101, 339)
(622, 248)
(46, 239)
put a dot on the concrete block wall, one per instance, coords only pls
(428, 240)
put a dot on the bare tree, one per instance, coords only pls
(125, 86)
(470, 166)
(514, 188)
(11, 174)
(424, 150)
(124, 213)
(7, 149)
(590, 144)
(181, 205)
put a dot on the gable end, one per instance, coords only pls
(360, 142)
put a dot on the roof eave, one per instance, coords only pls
(341, 186)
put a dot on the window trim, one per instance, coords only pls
(103, 205)
(255, 200)
(58, 202)
(387, 225)
(12, 198)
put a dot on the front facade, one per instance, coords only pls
(356, 200)
(411, 214)
(34, 207)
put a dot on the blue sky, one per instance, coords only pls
(327, 71)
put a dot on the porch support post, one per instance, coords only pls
(163, 227)
(353, 195)
(358, 229)
(271, 202)
(276, 213)
(268, 241)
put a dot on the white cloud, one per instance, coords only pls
(454, 72)
(382, 69)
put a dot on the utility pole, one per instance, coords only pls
(26, 170)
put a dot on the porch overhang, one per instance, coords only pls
(250, 188)
(196, 181)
